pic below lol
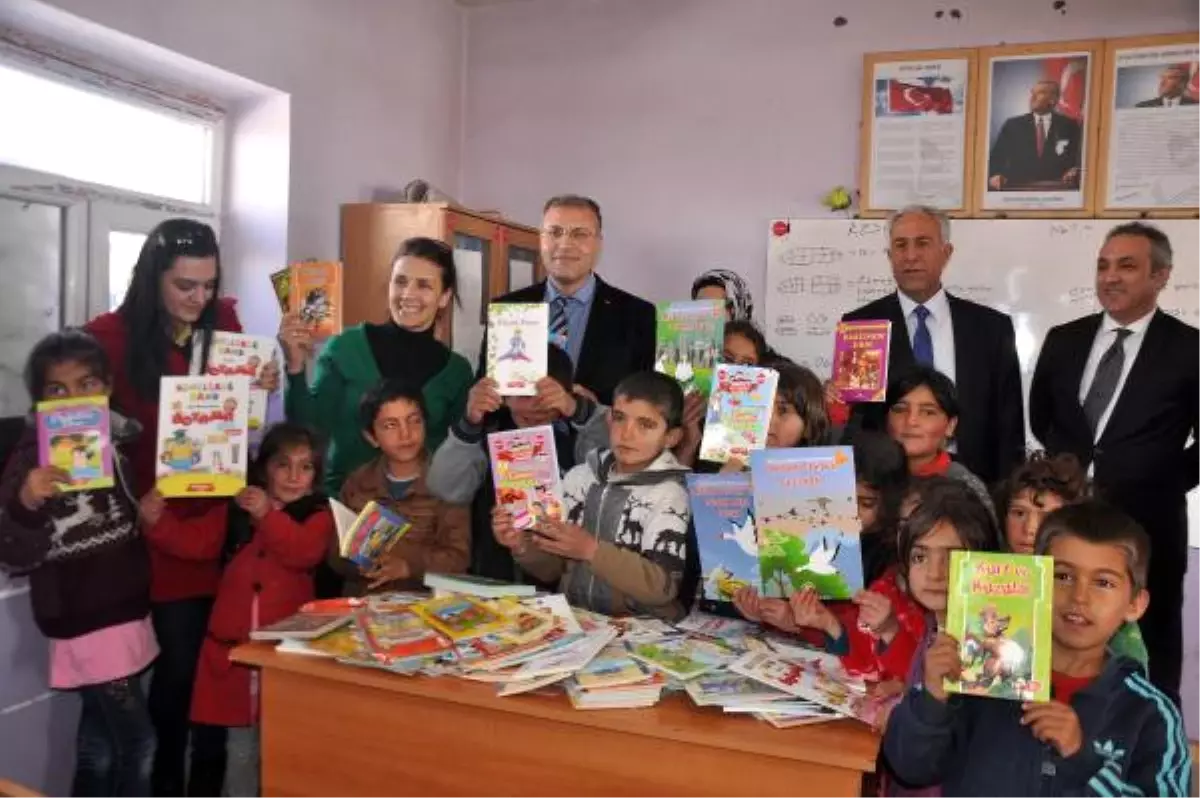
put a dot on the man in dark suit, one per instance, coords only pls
(1042, 146)
(971, 344)
(1119, 390)
(1172, 85)
(607, 332)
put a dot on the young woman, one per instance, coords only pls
(728, 287)
(423, 284)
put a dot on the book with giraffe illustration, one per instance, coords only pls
(806, 511)
(725, 535)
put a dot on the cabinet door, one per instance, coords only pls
(474, 242)
(522, 261)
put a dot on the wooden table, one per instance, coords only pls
(332, 729)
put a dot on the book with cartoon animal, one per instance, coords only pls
(739, 412)
(74, 435)
(203, 427)
(806, 510)
(723, 514)
(516, 346)
(316, 294)
(525, 474)
(460, 617)
(363, 537)
(860, 360)
(395, 637)
(1000, 609)
(690, 340)
(239, 355)
(682, 657)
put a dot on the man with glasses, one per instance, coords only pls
(607, 332)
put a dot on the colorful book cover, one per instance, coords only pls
(316, 289)
(567, 659)
(364, 537)
(460, 617)
(860, 360)
(302, 626)
(203, 427)
(739, 412)
(239, 355)
(681, 657)
(723, 514)
(806, 509)
(281, 284)
(495, 651)
(473, 585)
(395, 637)
(691, 338)
(516, 346)
(1000, 609)
(74, 435)
(612, 667)
(525, 474)
(727, 688)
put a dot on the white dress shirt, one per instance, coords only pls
(1104, 339)
(941, 330)
(1043, 121)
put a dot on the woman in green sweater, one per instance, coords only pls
(423, 284)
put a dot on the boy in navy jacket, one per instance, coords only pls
(1106, 730)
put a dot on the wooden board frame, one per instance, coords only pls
(1108, 87)
(1095, 50)
(866, 129)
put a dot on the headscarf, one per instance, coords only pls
(738, 301)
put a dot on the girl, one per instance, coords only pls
(728, 287)
(799, 418)
(267, 541)
(744, 344)
(89, 576)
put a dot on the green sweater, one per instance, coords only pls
(345, 370)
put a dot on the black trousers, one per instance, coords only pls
(180, 627)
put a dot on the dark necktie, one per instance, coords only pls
(1104, 384)
(559, 329)
(1041, 136)
(922, 340)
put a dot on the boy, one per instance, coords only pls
(392, 415)
(1106, 731)
(623, 546)
(461, 472)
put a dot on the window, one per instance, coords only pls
(50, 126)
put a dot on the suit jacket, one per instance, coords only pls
(1142, 460)
(618, 341)
(1014, 155)
(1158, 101)
(991, 424)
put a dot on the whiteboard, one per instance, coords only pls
(1039, 271)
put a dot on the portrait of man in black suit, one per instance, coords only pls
(1120, 390)
(1041, 149)
(1172, 88)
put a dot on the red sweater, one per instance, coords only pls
(171, 578)
(866, 656)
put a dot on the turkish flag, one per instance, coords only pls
(1071, 76)
(1193, 86)
(908, 98)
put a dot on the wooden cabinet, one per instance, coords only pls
(493, 256)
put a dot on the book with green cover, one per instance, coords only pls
(1000, 609)
(691, 339)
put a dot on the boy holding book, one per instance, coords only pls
(1106, 731)
(623, 546)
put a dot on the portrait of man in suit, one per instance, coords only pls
(1120, 390)
(1040, 149)
(1172, 88)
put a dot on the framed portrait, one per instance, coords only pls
(1036, 129)
(918, 131)
(1149, 159)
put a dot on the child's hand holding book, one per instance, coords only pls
(876, 615)
(506, 532)
(809, 611)
(391, 568)
(942, 662)
(565, 540)
(40, 484)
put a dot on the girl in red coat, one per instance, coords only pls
(267, 541)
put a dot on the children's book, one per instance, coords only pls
(363, 537)
(316, 294)
(811, 682)
(726, 629)
(472, 585)
(612, 667)
(525, 624)
(1000, 609)
(720, 689)
(525, 474)
(691, 339)
(723, 514)
(238, 355)
(394, 637)
(497, 651)
(519, 686)
(343, 641)
(739, 412)
(684, 658)
(517, 333)
(281, 284)
(302, 626)
(460, 617)
(75, 435)
(806, 510)
(791, 720)
(860, 360)
(203, 426)
(567, 659)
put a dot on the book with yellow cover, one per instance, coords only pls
(316, 294)
(203, 427)
(461, 617)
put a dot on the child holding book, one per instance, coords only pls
(623, 546)
(89, 576)
(461, 472)
(1106, 730)
(267, 540)
(392, 416)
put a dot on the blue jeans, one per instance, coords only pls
(115, 747)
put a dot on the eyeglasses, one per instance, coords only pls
(577, 235)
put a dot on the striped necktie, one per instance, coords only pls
(559, 328)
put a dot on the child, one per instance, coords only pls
(268, 540)
(1106, 731)
(623, 548)
(89, 576)
(461, 472)
(392, 415)
(799, 417)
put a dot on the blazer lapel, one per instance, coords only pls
(1148, 363)
(901, 356)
